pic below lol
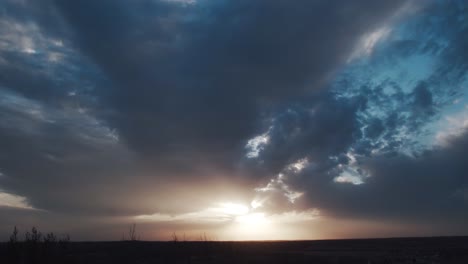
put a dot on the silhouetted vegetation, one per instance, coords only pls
(132, 234)
(35, 248)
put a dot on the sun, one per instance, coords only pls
(246, 222)
(242, 214)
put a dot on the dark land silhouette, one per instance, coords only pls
(48, 248)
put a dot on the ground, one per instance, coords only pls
(394, 250)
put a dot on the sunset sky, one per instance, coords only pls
(234, 119)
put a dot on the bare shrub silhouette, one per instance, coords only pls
(35, 248)
(132, 234)
(50, 238)
(34, 237)
(174, 237)
(14, 235)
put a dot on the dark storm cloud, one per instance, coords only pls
(61, 150)
(205, 69)
(61, 159)
(321, 128)
(430, 188)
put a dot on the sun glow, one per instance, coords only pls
(234, 209)
(252, 219)
(246, 222)
(251, 226)
(237, 221)
(242, 214)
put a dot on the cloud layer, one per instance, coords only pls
(117, 109)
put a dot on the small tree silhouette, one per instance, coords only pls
(36, 236)
(14, 235)
(203, 237)
(132, 235)
(175, 238)
(50, 238)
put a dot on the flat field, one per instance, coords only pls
(391, 250)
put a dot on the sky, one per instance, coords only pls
(234, 119)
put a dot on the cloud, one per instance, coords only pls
(208, 67)
(167, 85)
(373, 128)
(141, 106)
(454, 127)
(367, 43)
(11, 200)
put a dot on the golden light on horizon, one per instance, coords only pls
(246, 223)
(237, 221)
